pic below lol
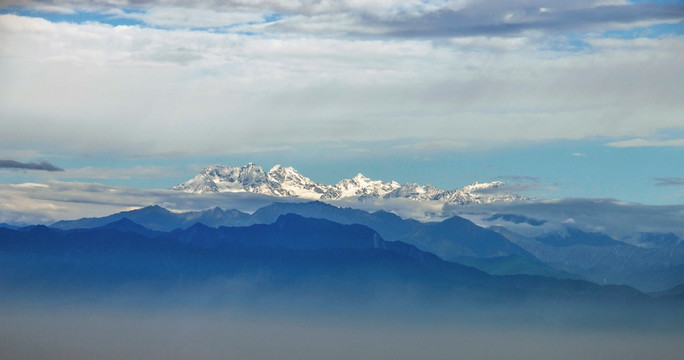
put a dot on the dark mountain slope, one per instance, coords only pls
(295, 255)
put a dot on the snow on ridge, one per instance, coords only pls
(287, 182)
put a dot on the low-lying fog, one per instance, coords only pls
(115, 332)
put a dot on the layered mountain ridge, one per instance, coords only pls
(654, 263)
(287, 182)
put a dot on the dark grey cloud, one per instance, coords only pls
(43, 165)
(394, 19)
(497, 18)
(669, 181)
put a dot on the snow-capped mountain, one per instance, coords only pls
(360, 186)
(287, 182)
(292, 183)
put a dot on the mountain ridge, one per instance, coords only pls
(293, 254)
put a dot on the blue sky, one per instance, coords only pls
(556, 98)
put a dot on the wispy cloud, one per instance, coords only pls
(639, 142)
(432, 145)
(520, 178)
(43, 165)
(578, 154)
(533, 186)
(142, 172)
(669, 181)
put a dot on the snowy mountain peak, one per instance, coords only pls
(292, 183)
(288, 182)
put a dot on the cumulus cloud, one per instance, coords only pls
(43, 165)
(285, 72)
(97, 88)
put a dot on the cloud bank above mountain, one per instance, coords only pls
(271, 75)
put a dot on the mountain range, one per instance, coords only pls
(450, 239)
(316, 258)
(496, 250)
(294, 256)
(599, 258)
(287, 182)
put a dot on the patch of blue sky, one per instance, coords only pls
(566, 43)
(585, 169)
(77, 17)
(558, 169)
(273, 17)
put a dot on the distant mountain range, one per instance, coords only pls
(295, 256)
(598, 258)
(451, 239)
(287, 182)
(497, 250)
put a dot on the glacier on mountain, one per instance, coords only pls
(287, 182)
